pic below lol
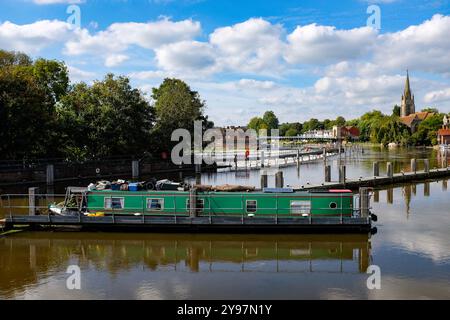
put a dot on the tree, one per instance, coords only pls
(340, 121)
(257, 123)
(396, 111)
(106, 119)
(431, 110)
(291, 132)
(177, 107)
(271, 120)
(13, 59)
(53, 76)
(312, 124)
(25, 117)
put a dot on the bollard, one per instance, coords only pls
(50, 174)
(279, 182)
(413, 165)
(327, 173)
(389, 170)
(298, 157)
(32, 192)
(426, 165)
(376, 169)
(135, 169)
(324, 156)
(264, 179)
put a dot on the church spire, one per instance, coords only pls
(407, 86)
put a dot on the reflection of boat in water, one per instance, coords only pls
(38, 255)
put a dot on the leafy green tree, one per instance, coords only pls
(26, 116)
(257, 123)
(430, 109)
(312, 124)
(396, 111)
(106, 119)
(177, 107)
(53, 76)
(426, 133)
(292, 132)
(271, 120)
(340, 121)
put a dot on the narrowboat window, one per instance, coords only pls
(155, 204)
(333, 205)
(300, 207)
(251, 206)
(200, 204)
(114, 203)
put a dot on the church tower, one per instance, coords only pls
(408, 107)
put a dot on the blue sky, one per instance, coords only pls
(301, 59)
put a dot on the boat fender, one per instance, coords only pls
(374, 217)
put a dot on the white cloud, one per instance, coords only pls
(254, 46)
(77, 75)
(187, 56)
(438, 96)
(324, 44)
(31, 38)
(119, 36)
(424, 47)
(115, 60)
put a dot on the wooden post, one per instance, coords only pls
(364, 202)
(413, 165)
(32, 192)
(426, 189)
(263, 179)
(279, 181)
(298, 158)
(376, 196)
(198, 174)
(193, 203)
(135, 169)
(50, 174)
(390, 195)
(376, 169)
(325, 156)
(327, 173)
(262, 159)
(389, 170)
(342, 174)
(426, 165)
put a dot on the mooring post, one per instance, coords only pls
(327, 173)
(364, 202)
(342, 174)
(390, 195)
(426, 165)
(279, 181)
(298, 158)
(324, 156)
(50, 174)
(262, 159)
(376, 196)
(426, 189)
(32, 192)
(413, 165)
(135, 169)
(193, 202)
(198, 174)
(376, 169)
(264, 179)
(389, 170)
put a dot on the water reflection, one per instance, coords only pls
(28, 258)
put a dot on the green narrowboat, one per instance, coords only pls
(254, 204)
(198, 209)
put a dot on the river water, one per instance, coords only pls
(411, 249)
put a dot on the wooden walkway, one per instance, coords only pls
(376, 181)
